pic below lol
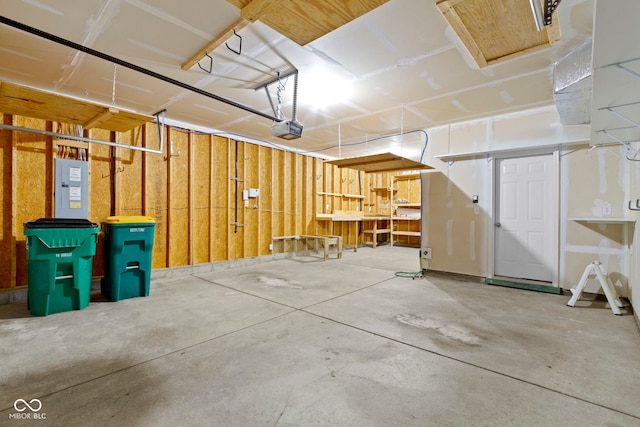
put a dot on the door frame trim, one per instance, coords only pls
(555, 229)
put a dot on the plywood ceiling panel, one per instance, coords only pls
(385, 162)
(304, 21)
(495, 30)
(30, 102)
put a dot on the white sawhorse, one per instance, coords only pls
(608, 288)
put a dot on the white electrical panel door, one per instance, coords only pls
(72, 189)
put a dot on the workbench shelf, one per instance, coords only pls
(375, 226)
(406, 209)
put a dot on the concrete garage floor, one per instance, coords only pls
(304, 342)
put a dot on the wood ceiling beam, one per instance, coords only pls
(101, 118)
(251, 12)
(213, 44)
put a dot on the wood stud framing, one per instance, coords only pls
(189, 191)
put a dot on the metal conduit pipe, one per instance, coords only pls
(98, 54)
(160, 150)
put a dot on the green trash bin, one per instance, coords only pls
(128, 249)
(59, 263)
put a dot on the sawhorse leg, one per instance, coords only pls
(608, 288)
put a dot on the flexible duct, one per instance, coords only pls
(572, 85)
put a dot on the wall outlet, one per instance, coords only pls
(426, 253)
(606, 209)
(271, 246)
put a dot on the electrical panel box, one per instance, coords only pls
(72, 189)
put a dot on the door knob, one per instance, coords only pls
(498, 224)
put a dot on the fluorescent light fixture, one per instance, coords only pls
(537, 14)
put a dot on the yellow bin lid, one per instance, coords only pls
(121, 219)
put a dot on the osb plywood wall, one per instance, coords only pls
(191, 191)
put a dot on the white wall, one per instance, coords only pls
(634, 272)
(615, 39)
(589, 178)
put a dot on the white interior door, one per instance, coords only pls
(524, 230)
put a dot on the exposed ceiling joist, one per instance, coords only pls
(215, 43)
